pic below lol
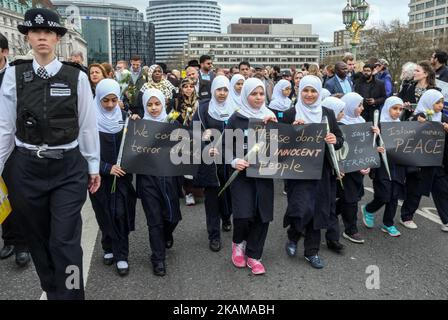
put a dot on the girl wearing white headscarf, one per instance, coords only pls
(115, 212)
(159, 195)
(387, 192)
(335, 104)
(252, 198)
(430, 105)
(325, 94)
(431, 180)
(235, 95)
(214, 115)
(280, 98)
(310, 202)
(353, 108)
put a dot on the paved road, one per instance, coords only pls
(414, 266)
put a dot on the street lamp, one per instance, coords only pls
(355, 16)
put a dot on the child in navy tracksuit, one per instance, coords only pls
(114, 211)
(387, 192)
(159, 195)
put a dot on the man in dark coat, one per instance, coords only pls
(137, 81)
(439, 60)
(372, 90)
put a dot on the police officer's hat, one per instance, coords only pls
(39, 18)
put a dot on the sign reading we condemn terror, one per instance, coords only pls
(149, 148)
(299, 152)
(358, 152)
(413, 143)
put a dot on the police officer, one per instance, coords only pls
(49, 154)
(13, 239)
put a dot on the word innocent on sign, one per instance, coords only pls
(149, 147)
(413, 143)
(291, 152)
(357, 152)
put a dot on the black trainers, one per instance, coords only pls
(215, 245)
(227, 226)
(108, 259)
(291, 248)
(335, 246)
(355, 238)
(159, 269)
(315, 262)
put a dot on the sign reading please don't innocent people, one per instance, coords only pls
(290, 152)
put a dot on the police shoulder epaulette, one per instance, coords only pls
(73, 64)
(20, 61)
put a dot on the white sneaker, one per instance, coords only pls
(409, 224)
(445, 227)
(122, 265)
(189, 200)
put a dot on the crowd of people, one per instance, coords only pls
(36, 155)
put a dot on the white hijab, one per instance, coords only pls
(279, 102)
(216, 110)
(309, 113)
(385, 114)
(149, 93)
(352, 101)
(427, 101)
(325, 94)
(246, 110)
(236, 97)
(108, 121)
(335, 104)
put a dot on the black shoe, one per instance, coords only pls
(123, 271)
(335, 246)
(159, 269)
(22, 259)
(108, 261)
(6, 252)
(169, 244)
(215, 245)
(227, 226)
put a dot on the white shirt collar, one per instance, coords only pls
(52, 68)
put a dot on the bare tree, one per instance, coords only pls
(397, 44)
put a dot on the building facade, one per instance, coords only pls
(12, 13)
(174, 20)
(324, 50)
(282, 48)
(429, 17)
(113, 32)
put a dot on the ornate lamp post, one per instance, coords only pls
(355, 16)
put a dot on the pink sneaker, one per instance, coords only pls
(238, 255)
(256, 266)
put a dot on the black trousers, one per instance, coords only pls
(160, 230)
(12, 233)
(389, 210)
(333, 231)
(349, 214)
(254, 232)
(48, 196)
(118, 247)
(439, 194)
(312, 237)
(216, 209)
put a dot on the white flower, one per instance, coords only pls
(39, 19)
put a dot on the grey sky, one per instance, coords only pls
(324, 15)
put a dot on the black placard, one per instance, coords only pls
(358, 152)
(299, 154)
(148, 149)
(414, 143)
